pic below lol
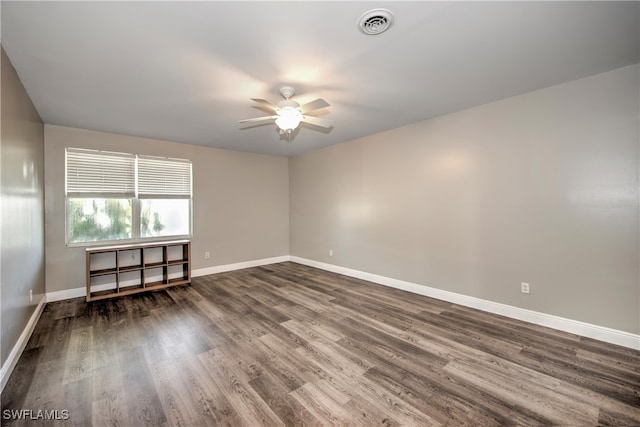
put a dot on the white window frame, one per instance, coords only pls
(96, 185)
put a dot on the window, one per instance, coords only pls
(119, 196)
(164, 190)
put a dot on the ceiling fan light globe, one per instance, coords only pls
(288, 119)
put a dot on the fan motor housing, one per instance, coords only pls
(288, 103)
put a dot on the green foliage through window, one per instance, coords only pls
(93, 220)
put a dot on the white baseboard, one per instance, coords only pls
(601, 333)
(81, 292)
(239, 266)
(66, 294)
(17, 349)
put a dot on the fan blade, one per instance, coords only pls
(258, 119)
(266, 104)
(313, 105)
(318, 121)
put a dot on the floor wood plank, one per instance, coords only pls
(287, 344)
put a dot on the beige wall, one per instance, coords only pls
(539, 188)
(240, 202)
(22, 220)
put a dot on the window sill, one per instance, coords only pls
(125, 242)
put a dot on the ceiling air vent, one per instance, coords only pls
(375, 21)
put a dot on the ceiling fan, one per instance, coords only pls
(289, 114)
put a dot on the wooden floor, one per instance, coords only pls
(289, 344)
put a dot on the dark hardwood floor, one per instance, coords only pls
(287, 344)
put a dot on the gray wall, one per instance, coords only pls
(539, 188)
(22, 220)
(240, 201)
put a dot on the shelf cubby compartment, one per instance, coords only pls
(155, 276)
(103, 282)
(101, 262)
(127, 269)
(178, 253)
(129, 279)
(154, 256)
(177, 273)
(129, 259)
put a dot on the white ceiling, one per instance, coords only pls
(184, 71)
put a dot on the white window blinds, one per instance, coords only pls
(163, 178)
(92, 173)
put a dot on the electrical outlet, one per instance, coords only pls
(30, 295)
(524, 287)
(207, 255)
(330, 252)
